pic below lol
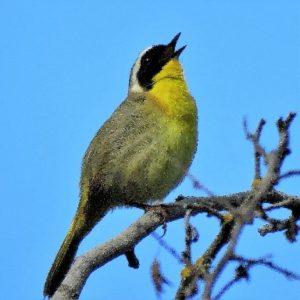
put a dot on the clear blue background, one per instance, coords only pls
(64, 68)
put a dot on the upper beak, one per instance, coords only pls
(172, 45)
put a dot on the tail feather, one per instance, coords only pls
(89, 213)
(64, 258)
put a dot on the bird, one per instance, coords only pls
(141, 153)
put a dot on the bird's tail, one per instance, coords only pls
(64, 257)
(81, 225)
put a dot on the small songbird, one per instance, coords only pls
(141, 152)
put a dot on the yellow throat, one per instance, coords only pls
(170, 91)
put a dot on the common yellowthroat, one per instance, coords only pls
(140, 153)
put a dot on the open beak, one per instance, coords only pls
(172, 45)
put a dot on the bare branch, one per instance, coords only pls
(133, 261)
(85, 264)
(289, 225)
(289, 174)
(258, 150)
(248, 262)
(192, 272)
(246, 212)
(243, 270)
(188, 238)
(167, 247)
(240, 273)
(198, 185)
(211, 279)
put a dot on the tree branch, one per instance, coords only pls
(85, 264)
(246, 212)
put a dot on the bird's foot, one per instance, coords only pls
(159, 208)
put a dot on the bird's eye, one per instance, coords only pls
(147, 60)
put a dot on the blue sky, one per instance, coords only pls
(64, 68)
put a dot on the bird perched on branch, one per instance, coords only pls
(141, 152)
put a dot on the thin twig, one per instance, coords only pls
(202, 264)
(289, 174)
(242, 271)
(198, 185)
(267, 263)
(188, 238)
(167, 247)
(258, 150)
(211, 279)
